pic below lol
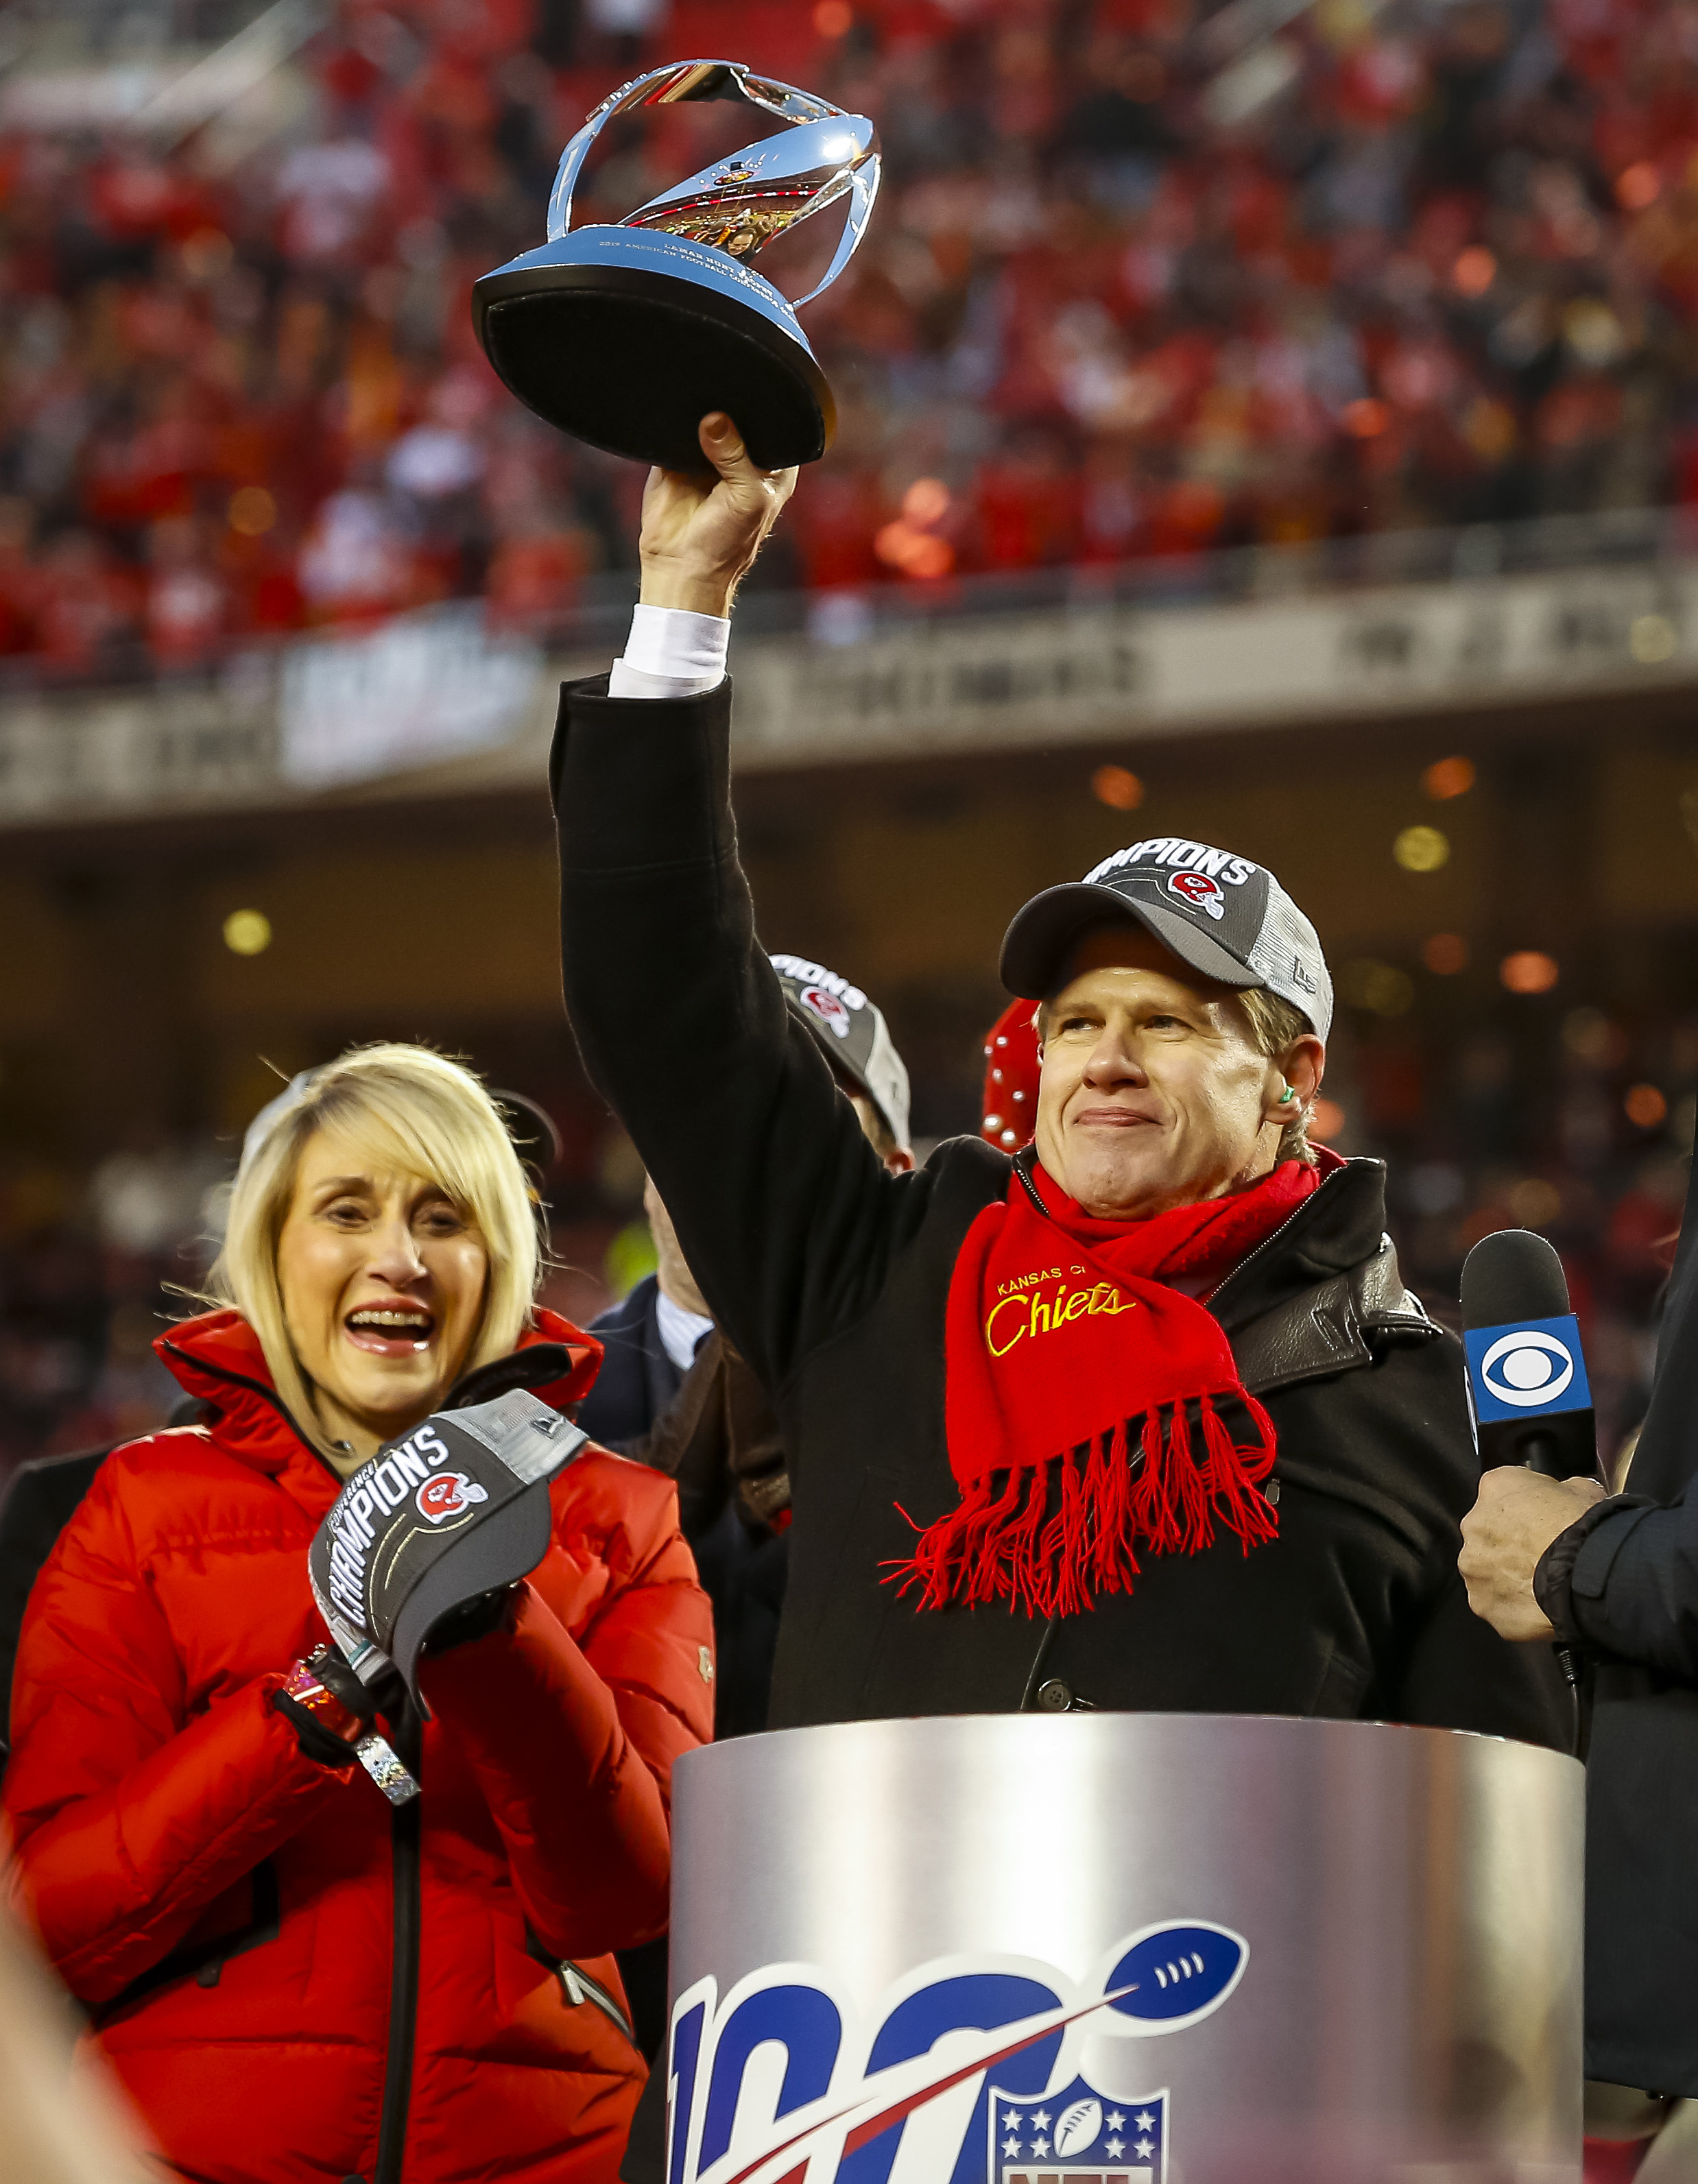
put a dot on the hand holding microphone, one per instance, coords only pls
(1533, 1424)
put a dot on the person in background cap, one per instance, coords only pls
(1142, 1418)
(655, 1335)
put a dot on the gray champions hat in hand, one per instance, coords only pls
(1225, 916)
(852, 1034)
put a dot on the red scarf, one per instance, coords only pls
(1076, 1377)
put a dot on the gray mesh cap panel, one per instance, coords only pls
(1224, 915)
(852, 1032)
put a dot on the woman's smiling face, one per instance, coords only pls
(382, 1278)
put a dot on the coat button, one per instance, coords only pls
(1054, 1696)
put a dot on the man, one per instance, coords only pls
(998, 1386)
(1615, 1578)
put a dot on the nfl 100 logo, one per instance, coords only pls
(967, 2072)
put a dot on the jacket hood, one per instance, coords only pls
(218, 1358)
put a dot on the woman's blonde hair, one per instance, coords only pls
(404, 1108)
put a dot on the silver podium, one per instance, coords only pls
(1125, 1949)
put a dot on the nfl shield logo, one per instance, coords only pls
(1079, 2137)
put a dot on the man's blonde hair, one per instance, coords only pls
(1277, 1025)
(408, 1110)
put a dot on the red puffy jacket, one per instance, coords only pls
(236, 1914)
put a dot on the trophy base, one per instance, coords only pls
(627, 338)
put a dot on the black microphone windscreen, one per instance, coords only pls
(1514, 1274)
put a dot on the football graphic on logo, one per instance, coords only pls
(1177, 1975)
(1198, 889)
(445, 1494)
(828, 1008)
(1077, 2127)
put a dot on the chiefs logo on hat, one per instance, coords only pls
(828, 1007)
(446, 1493)
(1198, 892)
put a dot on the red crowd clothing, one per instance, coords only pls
(231, 1910)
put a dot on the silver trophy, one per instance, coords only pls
(627, 336)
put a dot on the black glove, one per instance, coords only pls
(331, 1713)
(452, 1512)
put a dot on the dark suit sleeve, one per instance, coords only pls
(1633, 1585)
(786, 1215)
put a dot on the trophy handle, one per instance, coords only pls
(863, 185)
(681, 80)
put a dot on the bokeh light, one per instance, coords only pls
(1445, 954)
(206, 253)
(1327, 1121)
(1528, 971)
(252, 512)
(1116, 787)
(1380, 988)
(248, 932)
(1594, 1037)
(1652, 639)
(1644, 1106)
(1421, 849)
(1447, 778)
(1534, 1202)
(926, 501)
(1474, 271)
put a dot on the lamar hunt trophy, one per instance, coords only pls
(627, 336)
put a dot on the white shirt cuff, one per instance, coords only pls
(670, 653)
(680, 1330)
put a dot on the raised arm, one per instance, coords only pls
(785, 1213)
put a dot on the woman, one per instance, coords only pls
(292, 1980)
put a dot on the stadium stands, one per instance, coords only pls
(1149, 279)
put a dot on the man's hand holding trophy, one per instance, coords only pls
(629, 335)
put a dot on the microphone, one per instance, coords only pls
(1527, 1390)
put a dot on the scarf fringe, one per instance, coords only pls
(1145, 1484)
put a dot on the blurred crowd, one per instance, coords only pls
(1149, 277)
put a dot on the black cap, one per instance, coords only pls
(852, 1033)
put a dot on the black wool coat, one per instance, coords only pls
(830, 1277)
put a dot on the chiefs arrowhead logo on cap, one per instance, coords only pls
(445, 1494)
(828, 1007)
(1199, 891)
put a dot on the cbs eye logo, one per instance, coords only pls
(1527, 1368)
